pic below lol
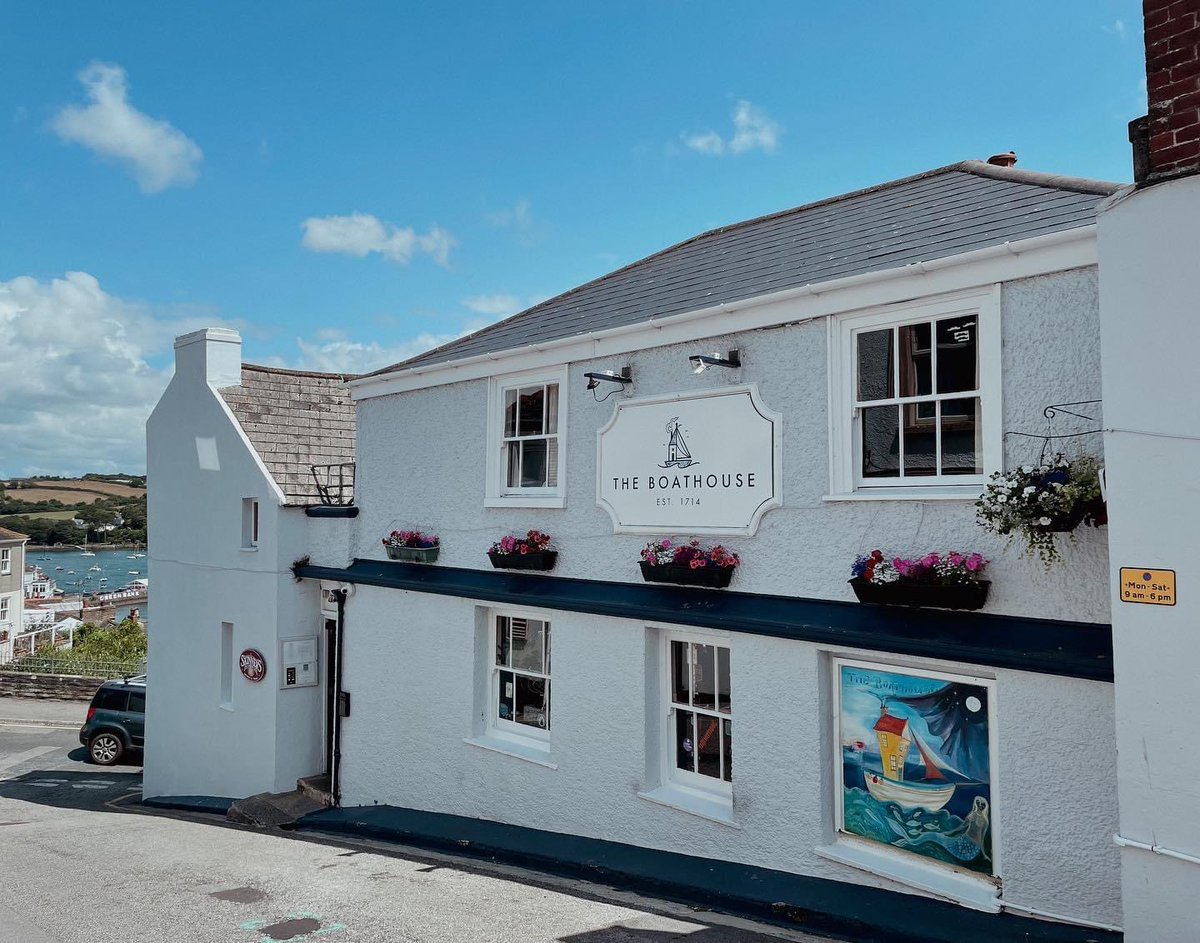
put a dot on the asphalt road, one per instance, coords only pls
(83, 863)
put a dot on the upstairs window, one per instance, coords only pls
(249, 523)
(5, 561)
(919, 399)
(526, 427)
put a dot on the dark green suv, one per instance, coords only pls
(116, 721)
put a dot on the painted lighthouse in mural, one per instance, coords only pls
(916, 763)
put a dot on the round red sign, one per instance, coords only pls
(253, 665)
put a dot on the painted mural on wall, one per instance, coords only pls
(916, 763)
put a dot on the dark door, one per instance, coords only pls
(137, 718)
(331, 655)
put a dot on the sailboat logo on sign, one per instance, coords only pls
(678, 455)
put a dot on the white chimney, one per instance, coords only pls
(212, 355)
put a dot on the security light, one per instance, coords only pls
(610, 376)
(701, 362)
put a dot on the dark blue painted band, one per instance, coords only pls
(845, 911)
(218, 805)
(1069, 649)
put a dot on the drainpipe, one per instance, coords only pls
(335, 772)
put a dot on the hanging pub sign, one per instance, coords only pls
(690, 463)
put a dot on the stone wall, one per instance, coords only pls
(48, 687)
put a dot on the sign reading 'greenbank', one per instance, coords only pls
(690, 463)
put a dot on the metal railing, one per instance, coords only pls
(335, 483)
(90, 668)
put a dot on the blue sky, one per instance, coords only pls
(205, 163)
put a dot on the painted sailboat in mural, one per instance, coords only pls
(895, 736)
(678, 455)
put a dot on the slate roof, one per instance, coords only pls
(295, 420)
(944, 212)
(6, 534)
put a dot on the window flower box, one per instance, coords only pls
(531, 552)
(688, 564)
(948, 596)
(411, 546)
(941, 581)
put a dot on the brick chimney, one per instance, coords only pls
(1167, 141)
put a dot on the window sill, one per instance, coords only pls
(227, 706)
(714, 809)
(975, 891)
(530, 754)
(966, 493)
(525, 501)
(249, 549)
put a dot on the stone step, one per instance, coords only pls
(317, 788)
(272, 810)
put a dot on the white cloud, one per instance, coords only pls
(331, 351)
(753, 130)
(1117, 29)
(520, 219)
(156, 153)
(495, 305)
(360, 234)
(76, 378)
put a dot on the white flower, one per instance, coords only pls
(1030, 490)
(1044, 521)
(1027, 469)
(1003, 498)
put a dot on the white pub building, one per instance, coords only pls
(934, 757)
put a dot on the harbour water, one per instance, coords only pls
(106, 572)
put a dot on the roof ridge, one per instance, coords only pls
(285, 371)
(1039, 178)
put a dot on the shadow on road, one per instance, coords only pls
(707, 934)
(89, 788)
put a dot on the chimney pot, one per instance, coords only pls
(1008, 159)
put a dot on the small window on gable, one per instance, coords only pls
(917, 402)
(249, 523)
(526, 433)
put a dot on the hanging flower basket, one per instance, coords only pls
(688, 564)
(1035, 502)
(531, 552)
(411, 546)
(939, 581)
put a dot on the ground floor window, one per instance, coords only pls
(916, 760)
(700, 729)
(520, 677)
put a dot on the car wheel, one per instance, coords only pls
(105, 748)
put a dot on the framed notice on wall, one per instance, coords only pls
(299, 662)
(707, 462)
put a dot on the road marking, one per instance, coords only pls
(12, 759)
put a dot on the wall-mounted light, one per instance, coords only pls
(609, 376)
(701, 362)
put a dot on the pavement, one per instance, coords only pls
(87, 863)
(31, 710)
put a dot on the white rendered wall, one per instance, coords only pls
(1150, 314)
(199, 470)
(410, 666)
(421, 464)
(410, 658)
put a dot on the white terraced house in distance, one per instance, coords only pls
(801, 389)
(12, 595)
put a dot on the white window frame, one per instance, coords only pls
(5, 609)
(497, 494)
(5, 561)
(688, 783)
(845, 447)
(537, 738)
(250, 523)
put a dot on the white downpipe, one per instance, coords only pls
(1046, 914)
(1156, 849)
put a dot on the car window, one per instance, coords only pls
(137, 702)
(110, 699)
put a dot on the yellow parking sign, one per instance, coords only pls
(1150, 587)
